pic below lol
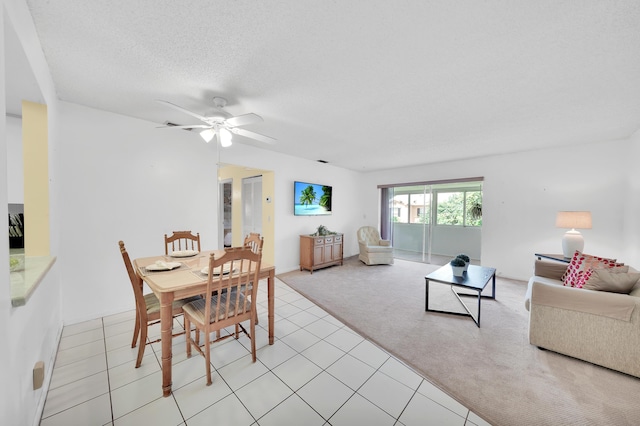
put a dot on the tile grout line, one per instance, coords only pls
(389, 356)
(323, 369)
(106, 360)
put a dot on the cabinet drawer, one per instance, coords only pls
(328, 240)
(319, 241)
(337, 239)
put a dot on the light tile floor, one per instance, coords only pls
(318, 372)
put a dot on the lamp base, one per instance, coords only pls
(571, 241)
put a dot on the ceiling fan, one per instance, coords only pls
(220, 123)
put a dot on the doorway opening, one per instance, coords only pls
(252, 205)
(256, 214)
(225, 214)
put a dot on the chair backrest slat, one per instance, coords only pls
(234, 290)
(254, 241)
(181, 240)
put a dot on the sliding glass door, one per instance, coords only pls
(431, 222)
(410, 221)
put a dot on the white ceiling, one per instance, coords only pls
(19, 79)
(365, 85)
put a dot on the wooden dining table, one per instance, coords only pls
(186, 281)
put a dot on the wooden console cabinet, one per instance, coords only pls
(320, 252)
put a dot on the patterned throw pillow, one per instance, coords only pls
(581, 267)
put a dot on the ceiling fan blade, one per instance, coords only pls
(186, 111)
(192, 126)
(243, 120)
(253, 135)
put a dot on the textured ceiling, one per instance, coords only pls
(365, 85)
(20, 82)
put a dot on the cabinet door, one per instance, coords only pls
(318, 254)
(328, 249)
(337, 247)
(328, 252)
(337, 251)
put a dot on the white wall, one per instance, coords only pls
(632, 195)
(522, 193)
(132, 181)
(124, 179)
(29, 333)
(347, 211)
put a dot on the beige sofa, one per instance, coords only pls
(596, 326)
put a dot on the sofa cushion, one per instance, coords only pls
(615, 280)
(606, 304)
(581, 266)
(554, 270)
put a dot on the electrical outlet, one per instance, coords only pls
(38, 375)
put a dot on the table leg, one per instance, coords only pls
(479, 299)
(166, 336)
(493, 287)
(426, 296)
(271, 293)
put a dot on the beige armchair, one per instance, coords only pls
(373, 249)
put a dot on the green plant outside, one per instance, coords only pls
(452, 211)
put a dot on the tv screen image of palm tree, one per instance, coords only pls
(311, 199)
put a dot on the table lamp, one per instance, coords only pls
(572, 239)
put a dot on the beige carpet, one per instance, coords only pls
(492, 370)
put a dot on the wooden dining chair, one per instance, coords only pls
(147, 307)
(230, 297)
(181, 240)
(254, 241)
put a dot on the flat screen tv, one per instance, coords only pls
(311, 199)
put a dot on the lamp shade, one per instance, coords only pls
(207, 135)
(225, 137)
(573, 220)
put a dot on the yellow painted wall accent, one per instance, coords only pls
(236, 174)
(35, 150)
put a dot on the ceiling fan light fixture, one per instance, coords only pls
(220, 119)
(225, 137)
(207, 135)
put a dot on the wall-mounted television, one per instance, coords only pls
(311, 199)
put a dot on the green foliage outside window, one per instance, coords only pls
(453, 209)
